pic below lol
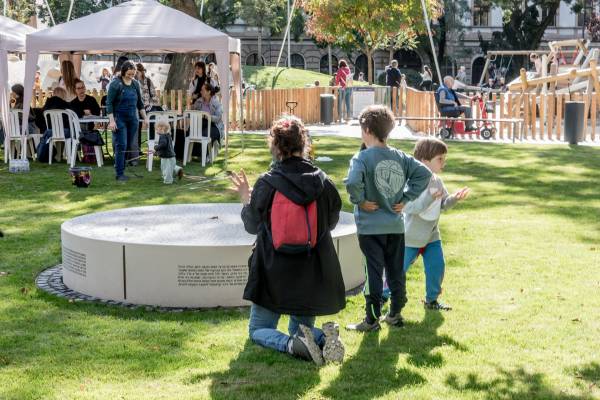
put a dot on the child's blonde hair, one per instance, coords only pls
(162, 125)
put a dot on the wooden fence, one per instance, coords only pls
(542, 115)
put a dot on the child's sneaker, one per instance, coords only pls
(180, 173)
(364, 326)
(435, 305)
(334, 350)
(394, 320)
(303, 346)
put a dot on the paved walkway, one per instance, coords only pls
(403, 132)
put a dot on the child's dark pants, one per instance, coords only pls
(383, 252)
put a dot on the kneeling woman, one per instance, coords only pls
(210, 103)
(303, 285)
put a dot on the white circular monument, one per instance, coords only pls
(189, 255)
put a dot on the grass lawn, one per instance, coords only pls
(523, 274)
(284, 78)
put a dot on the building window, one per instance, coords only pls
(297, 61)
(481, 13)
(544, 14)
(360, 65)
(324, 64)
(477, 70)
(408, 59)
(586, 13)
(253, 59)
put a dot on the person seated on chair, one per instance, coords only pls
(209, 102)
(449, 103)
(57, 102)
(16, 103)
(84, 104)
(17, 92)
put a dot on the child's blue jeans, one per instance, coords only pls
(263, 328)
(433, 259)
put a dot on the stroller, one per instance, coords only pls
(454, 125)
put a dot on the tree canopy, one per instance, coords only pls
(367, 24)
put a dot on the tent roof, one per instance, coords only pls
(12, 34)
(133, 26)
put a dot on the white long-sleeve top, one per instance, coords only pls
(420, 231)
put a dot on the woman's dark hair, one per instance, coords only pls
(19, 91)
(120, 61)
(213, 90)
(127, 65)
(288, 135)
(379, 120)
(200, 80)
(342, 64)
(201, 64)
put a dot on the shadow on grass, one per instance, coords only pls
(79, 340)
(259, 373)
(371, 372)
(588, 375)
(514, 384)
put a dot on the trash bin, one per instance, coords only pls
(327, 108)
(574, 121)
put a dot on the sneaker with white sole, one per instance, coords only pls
(364, 326)
(334, 350)
(394, 320)
(304, 346)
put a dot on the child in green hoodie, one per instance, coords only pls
(380, 181)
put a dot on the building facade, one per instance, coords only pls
(486, 20)
(482, 19)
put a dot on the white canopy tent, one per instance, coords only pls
(138, 26)
(12, 40)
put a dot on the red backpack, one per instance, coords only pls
(293, 226)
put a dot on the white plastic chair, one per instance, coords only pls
(58, 132)
(195, 134)
(75, 126)
(153, 116)
(12, 130)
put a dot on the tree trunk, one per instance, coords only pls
(391, 54)
(181, 72)
(369, 52)
(182, 68)
(328, 60)
(259, 56)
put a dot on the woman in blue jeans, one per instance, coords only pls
(304, 284)
(124, 105)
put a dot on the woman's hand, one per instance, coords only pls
(241, 186)
(112, 125)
